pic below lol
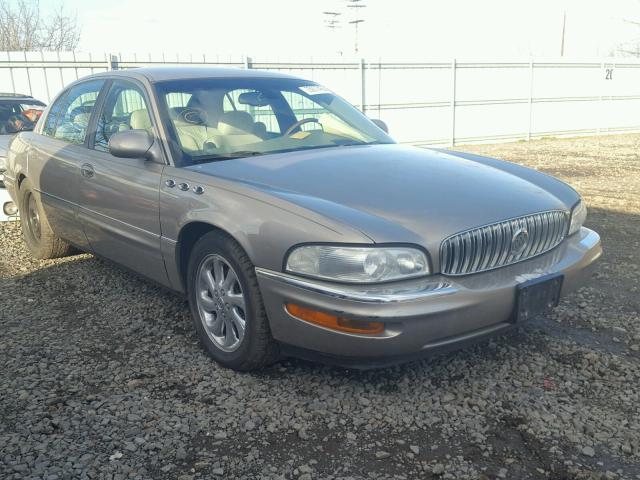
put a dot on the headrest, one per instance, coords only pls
(235, 123)
(140, 120)
(259, 129)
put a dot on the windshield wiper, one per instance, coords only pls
(330, 145)
(226, 156)
(253, 153)
(353, 144)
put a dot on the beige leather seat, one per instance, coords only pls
(140, 120)
(193, 137)
(235, 129)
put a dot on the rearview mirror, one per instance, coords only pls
(380, 124)
(253, 99)
(131, 144)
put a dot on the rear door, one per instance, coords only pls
(58, 153)
(119, 197)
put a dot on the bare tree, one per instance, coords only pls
(630, 47)
(22, 27)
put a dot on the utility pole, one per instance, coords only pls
(356, 5)
(355, 41)
(564, 25)
(332, 22)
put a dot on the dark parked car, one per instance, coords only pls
(17, 113)
(294, 224)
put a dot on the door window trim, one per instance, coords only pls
(93, 122)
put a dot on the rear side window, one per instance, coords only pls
(72, 112)
(52, 117)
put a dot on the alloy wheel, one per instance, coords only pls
(221, 303)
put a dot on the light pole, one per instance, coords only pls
(564, 25)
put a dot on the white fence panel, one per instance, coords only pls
(425, 103)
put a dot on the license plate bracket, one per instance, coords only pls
(537, 296)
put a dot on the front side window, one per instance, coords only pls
(221, 118)
(18, 116)
(72, 113)
(125, 108)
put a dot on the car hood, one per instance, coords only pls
(394, 193)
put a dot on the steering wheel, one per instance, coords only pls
(299, 123)
(194, 116)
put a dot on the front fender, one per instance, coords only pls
(265, 227)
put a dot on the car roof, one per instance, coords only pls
(159, 74)
(15, 96)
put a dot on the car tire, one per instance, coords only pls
(42, 242)
(234, 331)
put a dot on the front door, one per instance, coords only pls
(119, 204)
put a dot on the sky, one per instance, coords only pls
(392, 29)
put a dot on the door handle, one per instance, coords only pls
(87, 170)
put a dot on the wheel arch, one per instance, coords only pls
(189, 234)
(19, 179)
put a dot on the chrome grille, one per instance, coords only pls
(502, 243)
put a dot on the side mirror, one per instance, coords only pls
(380, 124)
(131, 144)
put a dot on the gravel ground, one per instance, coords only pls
(102, 376)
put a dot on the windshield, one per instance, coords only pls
(17, 116)
(216, 119)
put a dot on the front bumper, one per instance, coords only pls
(421, 316)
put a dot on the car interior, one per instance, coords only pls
(16, 116)
(228, 121)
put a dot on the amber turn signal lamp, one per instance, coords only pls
(334, 323)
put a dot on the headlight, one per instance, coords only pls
(578, 216)
(10, 209)
(358, 264)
